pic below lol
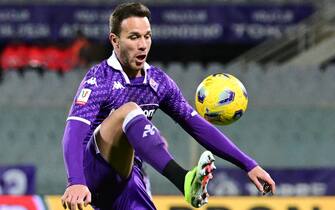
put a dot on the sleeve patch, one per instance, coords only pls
(83, 96)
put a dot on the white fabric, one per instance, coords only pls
(131, 116)
(113, 62)
(79, 119)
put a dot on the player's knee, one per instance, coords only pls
(125, 110)
(128, 107)
(113, 125)
(132, 110)
(116, 118)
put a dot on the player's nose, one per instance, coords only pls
(142, 44)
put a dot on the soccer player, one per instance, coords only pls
(108, 131)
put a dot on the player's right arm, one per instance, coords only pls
(76, 193)
(87, 103)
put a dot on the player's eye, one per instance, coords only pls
(133, 37)
(148, 36)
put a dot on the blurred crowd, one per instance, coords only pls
(60, 57)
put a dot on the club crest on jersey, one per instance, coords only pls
(83, 96)
(117, 85)
(153, 84)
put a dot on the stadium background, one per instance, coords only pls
(287, 69)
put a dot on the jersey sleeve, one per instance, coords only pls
(90, 97)
(174, 104)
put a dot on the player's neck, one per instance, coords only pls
(131, 73)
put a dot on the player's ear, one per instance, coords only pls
(114, 39)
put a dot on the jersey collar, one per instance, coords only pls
(113, 62)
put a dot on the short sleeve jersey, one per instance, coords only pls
(106, 87)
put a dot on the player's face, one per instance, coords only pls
(134, 42)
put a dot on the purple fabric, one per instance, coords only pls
(147, 142)
(73, 151)
(110, 190)
(134, 195)
(215, 141)
(174, 103)
(110, 90)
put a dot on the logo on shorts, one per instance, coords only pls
(149, 130)
(83, 96)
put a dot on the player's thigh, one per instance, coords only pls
(109, 190)
(120, 156)
(112, 142)
(101, 178)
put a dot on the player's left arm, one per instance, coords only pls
(175, 105)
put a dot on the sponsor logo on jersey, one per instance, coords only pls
(92, 81)
(117, 85)
(149, 113)
(149, 109)
(83, 96)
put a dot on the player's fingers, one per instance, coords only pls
(87, 199)
(273, 188)
(64, 204)
(80, 206)
(68, 201)
(73, 206)
(267, 188)
(80, 201)
(268, 183)
(73, 203)
(63, 200)
(271, 184)
(258, 185)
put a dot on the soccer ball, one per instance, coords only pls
(221, 99)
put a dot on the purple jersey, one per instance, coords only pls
(106, 87)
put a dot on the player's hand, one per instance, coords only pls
(262, 180)
(76, 196)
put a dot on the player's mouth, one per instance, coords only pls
(140, 59)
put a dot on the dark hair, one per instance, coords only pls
(124, 11)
